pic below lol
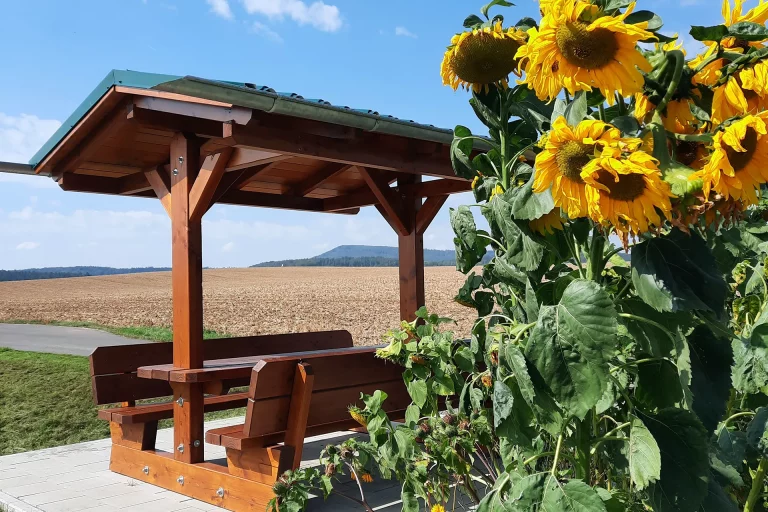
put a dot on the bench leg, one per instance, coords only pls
(264, 465)
(139, 436)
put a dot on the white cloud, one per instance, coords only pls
(263, 30)
(27, 246)
(20, 138)
(318, 14)
(221, 8)
(404, 32)
(228, 247)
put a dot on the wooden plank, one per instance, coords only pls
(270, 416)
(427, 212)
(127, 358)
(155, 412)
(174, 122)
(301, 397)
(194, 110)
(388, 199)
(201, 481)
(208, 179)
(169, 96)
(243, 158)
(71, 182)
(284, 202)
(369, 150)
(411, 255)
(233, 436)
(264, 465)
(141, 436)
(188, 429)
(161, 183)
(133, 183)
(360, 198)
(123, 387)
(318, 178)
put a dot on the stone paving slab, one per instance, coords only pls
(77, 478)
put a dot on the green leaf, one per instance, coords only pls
(576, 111)
(544, 492)
(711, 360)
(643, 455)
(410, 502)
(658, 384)
(558, 110)
(612, 5)
(472, 20)
(418, 391)
(628, 125)
(678, 272)
(502, 402)
(522, 250)
(484, 9)
(526, 204)
(714, 33)
(461, 148)
(750, 366)
(684, 447)
(653, 340)
(757, 431)
(463, 224)
(526, 23)
(748, 31)
(572, 344)
(487, 116)
(531, 304)
(653, 19)
(726, 457)
(717, 500)
(464, 359)
(412, 415)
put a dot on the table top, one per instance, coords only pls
(235, 368)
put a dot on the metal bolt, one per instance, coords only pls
(181, 160)
(175, 171)
(180, 401)
(180, 480)
(196, 444)
(180, 448)
(146, 470)
(220, 492)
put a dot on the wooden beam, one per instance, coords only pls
(133, 184)
(360, 198)
(235, 180)
(194, 110)
(174, 122)
(370, 150)
(427, 212)
(161, 183)
(411, 257)
(301, 396)
(318, 178)
(388, 199)
(187, 282)
(280, 201)
(208, 179)
(243, 158)
(72, 182)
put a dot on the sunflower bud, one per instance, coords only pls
(449, 419)
(330, 470)
(487, 380)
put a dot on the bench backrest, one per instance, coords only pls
(339, 378)
(113, 369)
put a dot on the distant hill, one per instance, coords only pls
(364, 256)
(30, 274)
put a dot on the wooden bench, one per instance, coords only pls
(114, 379)
(295, 396)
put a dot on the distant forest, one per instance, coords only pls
(59, 272)
(347, 261)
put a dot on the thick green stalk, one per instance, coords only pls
(757, 486)
(596, 250)
(583, 445)
(677, 74)
(503, 132)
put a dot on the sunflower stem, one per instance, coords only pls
(601, 112)
(677, 74)
(660, 148)
(757, 486)
(503, 132)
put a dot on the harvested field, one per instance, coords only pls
(241, 301)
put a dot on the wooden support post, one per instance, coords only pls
(411, 255)
(187, 276)
(303, 382)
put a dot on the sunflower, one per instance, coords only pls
(437, 508)
(624, 188)
(566, 151)
(711, 72)
(746, 92)
(480, 57)
(547, 223)
(570, 52)
(739, 161)
(678, 114)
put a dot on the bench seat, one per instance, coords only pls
(162, 411)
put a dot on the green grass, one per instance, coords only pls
(46, 401)
(139, 333)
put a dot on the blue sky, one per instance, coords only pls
(379, 55)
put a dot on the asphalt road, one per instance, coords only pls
(58, 340)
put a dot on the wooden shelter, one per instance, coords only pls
(192, 143)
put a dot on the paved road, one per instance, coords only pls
(58, 340)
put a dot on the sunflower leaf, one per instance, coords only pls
(461, 148)
(503, 3)
(653, 19)
(748, 31)
(643, 455)
(713, 33)
(627, 124)
(576, 111)
(527, 205)
(472, 20)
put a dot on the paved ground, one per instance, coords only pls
(77, 478)
(54, 339)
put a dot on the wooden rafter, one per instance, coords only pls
(318, 178)
(427, 212)
(133, 184)
(284, 202)
(236, 180)
(161, 183)
(389, 201)
(360, 198)
(206, 183)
